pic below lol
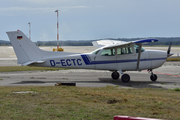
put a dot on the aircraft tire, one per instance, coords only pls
(153, 77)
(125, 78)
(115, 75)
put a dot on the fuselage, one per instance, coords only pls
(124, 59)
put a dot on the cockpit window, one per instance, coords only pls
(108, 52)
(136, 47)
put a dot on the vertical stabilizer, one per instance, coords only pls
(26, 51)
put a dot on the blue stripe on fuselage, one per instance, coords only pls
(88, 61)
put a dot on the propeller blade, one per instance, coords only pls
(169, 49)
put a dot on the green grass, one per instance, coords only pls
(176, 89)
(74, 103)
(27, 68)
(173, 59)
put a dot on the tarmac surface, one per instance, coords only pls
(168, 74)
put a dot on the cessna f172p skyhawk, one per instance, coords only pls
(115, 56)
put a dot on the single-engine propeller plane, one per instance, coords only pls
(115, 56)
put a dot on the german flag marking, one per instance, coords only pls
(19, 37)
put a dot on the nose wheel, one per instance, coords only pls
(153, 76)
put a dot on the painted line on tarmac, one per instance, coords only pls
(167, 74)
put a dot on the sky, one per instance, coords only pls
(90, 19)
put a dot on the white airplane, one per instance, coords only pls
(115, 56)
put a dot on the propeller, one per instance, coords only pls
(169, 50)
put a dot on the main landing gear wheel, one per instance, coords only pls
(125, 78)
(115, 75)
(153, 77)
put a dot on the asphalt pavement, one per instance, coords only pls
(87, 78)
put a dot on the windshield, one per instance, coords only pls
(108, 52)
(136, 47)
(96, 52)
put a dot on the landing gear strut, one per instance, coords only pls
(153, 76)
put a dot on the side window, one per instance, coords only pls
(130, 50)
(125, 50)
(108, 52)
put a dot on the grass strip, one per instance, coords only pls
(173, 59)
(27, 68)
(87, 103)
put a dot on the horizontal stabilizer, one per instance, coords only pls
(31, 62)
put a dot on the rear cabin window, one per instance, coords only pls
(108, 52)
(125, 50)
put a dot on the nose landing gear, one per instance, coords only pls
(153, 76)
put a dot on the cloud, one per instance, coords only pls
(43, 8)
(43, 1)
(23, 10)
(16, 11)
(75, 7)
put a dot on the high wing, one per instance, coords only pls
(106, 44)
(101, 43)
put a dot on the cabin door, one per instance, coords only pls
(106, 59)
(126, 58)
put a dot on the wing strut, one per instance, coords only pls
(139, 55)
